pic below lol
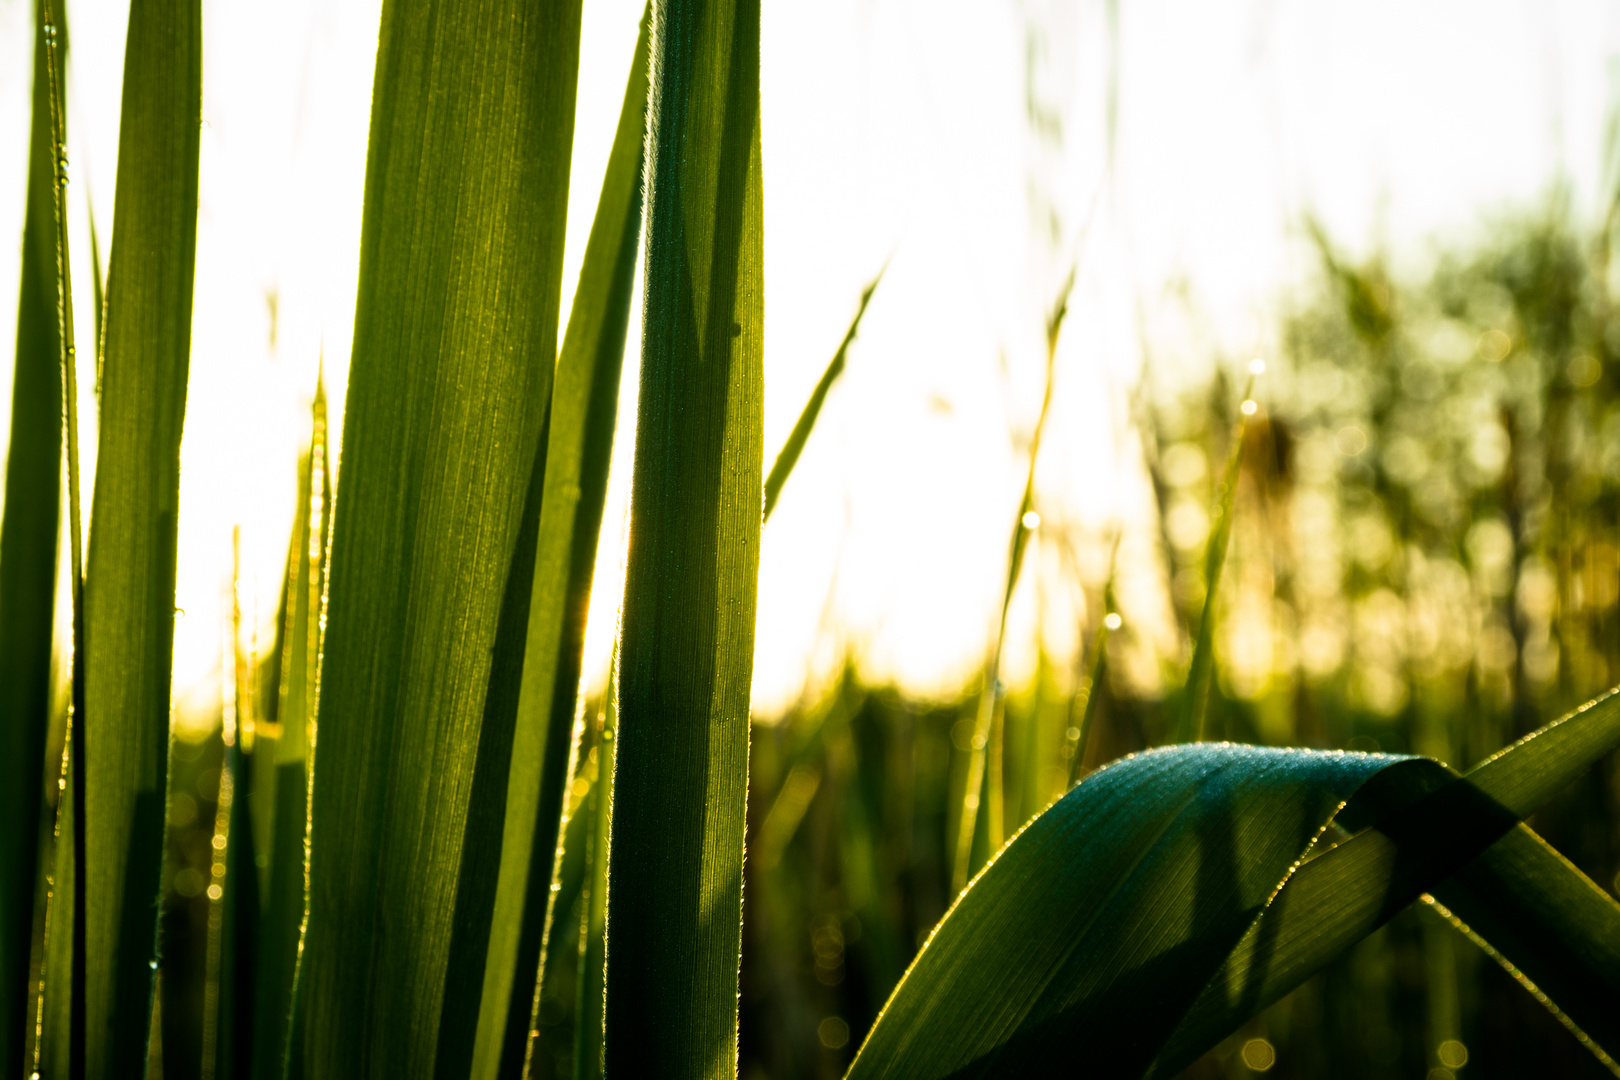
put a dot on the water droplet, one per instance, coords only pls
(1257, 366)
(152, 964)
(1249, 408)
(1113, 620)
(1032, 520)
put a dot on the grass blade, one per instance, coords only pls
(28, 554)
(130, 578)
(455, 335)
(687, 630)
(283, 746)
(579, 446)
(789, 454)
(593, 924)
(1195, 698)
(987, 730)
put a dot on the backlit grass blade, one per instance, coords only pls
(579, 446)
(454, 344)
(281, 778)
(28, 554)
(1195, 697)
(789, 454)
(1341, 895)
(985, 755)
(593, 924)
(130, 573)
(687, 628)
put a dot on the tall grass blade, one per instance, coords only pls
(788, 456)
(130, 573)
(985, 760)
(593, 923)
(1195, 698)
(579, 447)
(28, 554)
(687, 629)
(455, 335)
(282, 745)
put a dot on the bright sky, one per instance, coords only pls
(970, 140)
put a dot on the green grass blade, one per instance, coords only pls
(687, 630)
(283, 745)
(1433, 826)
(1195, 698)
(1093, 928)
(983, 775)
(1550, 926)
(455, 337)
(789, 454)
(28, 553)
(584, 408)
(130, 577)
(593, 925)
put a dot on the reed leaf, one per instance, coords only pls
(455, 334)
(687, 628)
(579, 447)
(28, 553)
(1094, 926)
(130, 567)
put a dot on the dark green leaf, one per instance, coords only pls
(579, 446)
(28, 554)
(1089, 931)
(687, 630)
(130, 568)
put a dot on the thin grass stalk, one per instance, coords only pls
(28, 562)
(453, 355)
(285, 741)
(66, 1055)
(593, 921)
(130, 569)
(986, 752)
(571, 477)
(1091, 688)
(788, 456)
(1195, 703)
(687, 629)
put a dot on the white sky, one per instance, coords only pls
(890, 126)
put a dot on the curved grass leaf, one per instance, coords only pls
(455, 335)
(687, 630)
(1428, 824)
(1094, 926)
(28, 554)
(788, 456)
(579, 446)
(130, 567)
(1087, 932)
